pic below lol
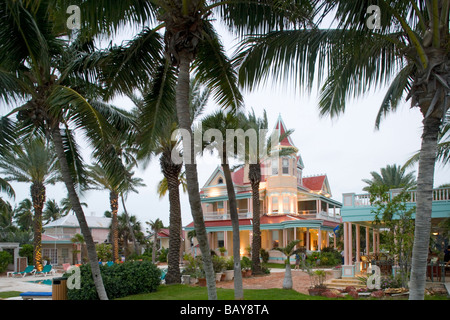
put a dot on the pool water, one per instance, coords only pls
(46, 281)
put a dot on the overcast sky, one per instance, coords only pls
(346, 149)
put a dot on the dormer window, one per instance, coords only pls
(285, 166)
(220, 181)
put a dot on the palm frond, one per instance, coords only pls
(214, 70)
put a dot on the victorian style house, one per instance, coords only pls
(293, 206)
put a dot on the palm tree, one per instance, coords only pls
(220, 122)
(23, 214)
(190, 42)
(288, 251)
(155, 226)
(66, 206)
(33, 161)
(406, 48)
(260, 127)
(392, 176)
(51, 211)
(37, 74)
(155, 139)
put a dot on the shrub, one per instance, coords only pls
(120, 280)
(5, 259)
(27, 251)
(264, 255)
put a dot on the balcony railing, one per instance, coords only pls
(363, 200)
(220, 215)
(313, 214)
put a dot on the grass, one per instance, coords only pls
(185, 292)
(9, 294)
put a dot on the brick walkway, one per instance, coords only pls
(300, 280)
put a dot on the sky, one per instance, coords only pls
(346, 148)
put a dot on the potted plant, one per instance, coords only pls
(246, 267)
(218, 266)
(222, 251)
(201, 277)
(337, 272)
(229, 269)
(317, 278)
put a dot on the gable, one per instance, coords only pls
(216, 177)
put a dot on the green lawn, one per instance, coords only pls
(9, 294)
(185, 292)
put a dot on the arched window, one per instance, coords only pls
(220, 181)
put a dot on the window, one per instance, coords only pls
(275, 204)
(51, 254)
(299, 177)
(220, 207)
(285, 204)
(275, 238)
(220, 240)
(285, 166)
(274, 167)
(220, 181)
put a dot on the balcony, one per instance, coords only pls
(322, 215)
(357, 207)
(220, 215)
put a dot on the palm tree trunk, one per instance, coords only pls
(38, 197)
(238, 287)
(184, 120)
(133, 237)
(114, 204)
(76, 207)
(287, 281)
(171, 172)
(255, 178)
(425, 180)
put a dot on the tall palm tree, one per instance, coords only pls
(155, 226)
(221, 122)
(405, 48)
(34, 162)
(392, 176)
(190, 43)
(36, 61)
(155, 140)
(255, 156)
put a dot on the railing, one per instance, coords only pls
(220, 215)
(313, 214)
(363, 200)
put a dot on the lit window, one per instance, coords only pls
(285, 204)
(275, 204)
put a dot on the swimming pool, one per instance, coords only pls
(43, 281)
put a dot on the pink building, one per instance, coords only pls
(57, 238)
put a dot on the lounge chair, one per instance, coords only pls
(110, 263)
(30, 295)
(48, 269)
(28, 270)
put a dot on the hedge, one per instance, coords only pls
(120, 280)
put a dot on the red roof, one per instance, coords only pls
(280, 126)
(163, 233)
(238, 176)
(314, 183)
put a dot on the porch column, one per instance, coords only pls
(345, 244)
(250, 206)
(350, 244)
(378, 241)
(307, 239)
(374, 242)
(357, 243)
(225, 240)
(319, 239)
(367, 241)
(284, 237)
